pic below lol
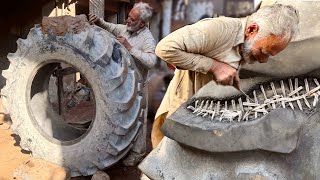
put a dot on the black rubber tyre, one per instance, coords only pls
(110, 71)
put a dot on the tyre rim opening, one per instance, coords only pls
(62, 102)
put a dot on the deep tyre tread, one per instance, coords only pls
(93, 53)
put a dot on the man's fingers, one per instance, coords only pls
(225, 75)
(92, 15)
(230, 82)
(120, 39)
(93, 18)
(226, 81)
(236, 82)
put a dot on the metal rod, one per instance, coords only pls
(246, 95)
(60, 90)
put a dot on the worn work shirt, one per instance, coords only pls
(142, 42)
(192, 48)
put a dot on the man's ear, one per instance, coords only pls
(142, 24)
(252, 30)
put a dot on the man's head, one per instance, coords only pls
(268, 31)
(139, 16)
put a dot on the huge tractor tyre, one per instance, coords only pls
(108, 68)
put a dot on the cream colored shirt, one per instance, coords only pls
(193, 48)
(142, 42)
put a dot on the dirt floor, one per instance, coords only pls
(16, 163)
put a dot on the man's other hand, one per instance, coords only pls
(94, 19)
(225, 74)
(124, 42)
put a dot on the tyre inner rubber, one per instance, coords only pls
(44, 116)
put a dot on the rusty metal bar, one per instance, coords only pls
(60, 89)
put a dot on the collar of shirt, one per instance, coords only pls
(240, 36)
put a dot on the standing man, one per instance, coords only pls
(214, 49)
(138, 40)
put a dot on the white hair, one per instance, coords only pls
(145, 11)
(278, 19)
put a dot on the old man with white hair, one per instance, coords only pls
(215, 48)
(138, 40)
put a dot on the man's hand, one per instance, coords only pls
(94, 19)
(225, 74)
(124, 42)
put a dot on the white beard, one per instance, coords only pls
(133, 29)
(247, 51)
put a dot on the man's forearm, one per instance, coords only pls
(110, 27)
(105, 25)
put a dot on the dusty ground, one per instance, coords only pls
(16, 163)
(11, 155)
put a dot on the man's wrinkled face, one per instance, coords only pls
(258, 49)
(134, 22)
